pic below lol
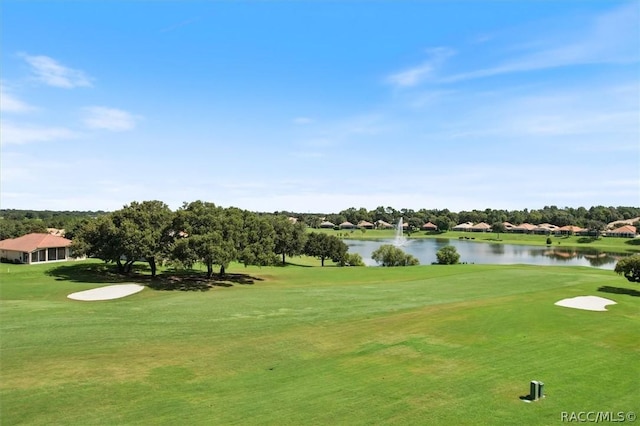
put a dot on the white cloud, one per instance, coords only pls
(610, 38)
(9, 103)
(416, 75)
(303, 120)
(18, 135)
(115, 120)
(48, 71)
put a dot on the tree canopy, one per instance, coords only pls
(325, 246)
(138, 231)
(629, 267)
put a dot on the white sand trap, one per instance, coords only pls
(588, 303)
(107, 293)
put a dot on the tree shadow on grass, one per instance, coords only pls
(300, 265)
(198, 282)
(619, 290)
(187, 280)
(90, 273)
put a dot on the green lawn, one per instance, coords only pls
(609, 244)
(309, 345)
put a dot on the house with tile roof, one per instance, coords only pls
(381, 224)
(568, 230)
(347, 225)
(480, 227)
(463, 226)
(327, 225)
(523, 228)
(429, 227)
(35, 248)
(627, 231)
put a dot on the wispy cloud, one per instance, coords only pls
(303, 120)
(115, 120)
(9, 103)
(17, 135)
(608, 38)
(179, 25)
(417, 74)
(50, 72)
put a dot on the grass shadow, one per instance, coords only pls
(633, 242)
(619, 290)
(181, 280)
(199, 282)
(300, 265)
(90, 273)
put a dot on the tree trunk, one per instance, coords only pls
(120, 266)
(152, 264)
(222, 270)
(209, 269)
(127, 266)
(283, 258)
(322, 261)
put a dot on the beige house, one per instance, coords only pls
(480, 227)
(545, 229)
(381, 224)
(568, 230)
(347, 225)
(463, 226)
(429, 227)
(523, 228)
(627, 231)
(363, 224)
(35, 248)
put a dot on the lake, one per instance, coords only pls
(472, 252)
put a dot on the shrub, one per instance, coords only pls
(352, 259)
(389, 255)
(448, 255)
(548, 241)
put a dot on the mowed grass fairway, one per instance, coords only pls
(310, 345)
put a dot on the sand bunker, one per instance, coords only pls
(588, 303)
(107, 293)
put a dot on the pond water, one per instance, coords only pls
(473, 252)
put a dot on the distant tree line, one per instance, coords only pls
(14, 223)
(595, 217)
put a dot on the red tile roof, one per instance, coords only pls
(570, 228)
(31, 242)
(627, 229)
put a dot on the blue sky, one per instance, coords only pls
(319, 106)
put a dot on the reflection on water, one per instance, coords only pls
(472, 252)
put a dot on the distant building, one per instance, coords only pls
(35, 248)
(480, 227)
(429, 227)
(463, 226)
(523, 228)
(327, 224)
(568, 230)
(627, 231)
(381, 224)
(347, 225)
